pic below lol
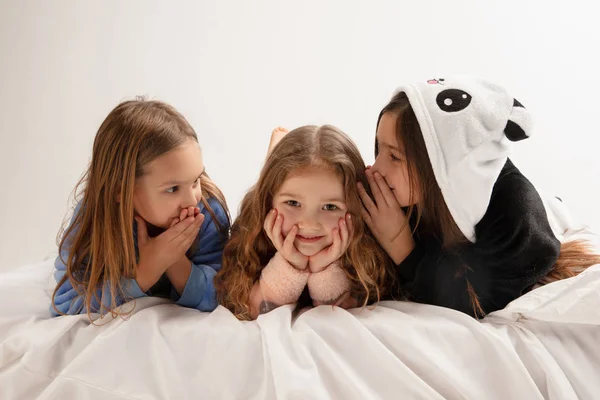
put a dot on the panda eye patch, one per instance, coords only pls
(453, 100)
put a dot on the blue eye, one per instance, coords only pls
(330, 207)
(172, 189)
(293, 203)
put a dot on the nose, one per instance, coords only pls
(189, 199)
(377, 167)
(309, 222)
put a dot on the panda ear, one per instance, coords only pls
(518, 126)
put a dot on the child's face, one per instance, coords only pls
(313, 199)
(170, 183)
(391, 161)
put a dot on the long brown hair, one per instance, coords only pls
(99, 241)
(432, 216)
(249, 248)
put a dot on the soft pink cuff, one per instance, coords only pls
(328, 284)
(285, 281)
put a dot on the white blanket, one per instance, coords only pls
(544, 345)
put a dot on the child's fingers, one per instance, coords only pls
(195, 228)
(336, 246)
(367, 218)
(174, 222)
(183, 214)
(350, 224)
(191, 233)
(344, 234)
(142, 231)
(325, 257)
(177, 230)
(387, 193)
(375, 189)
(196, 211)
(288, 243)
(191, 211)
(368, 203)
(199, 220)
(290, 252)
(269, 225)
(277, 235)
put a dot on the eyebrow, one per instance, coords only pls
(330, 200)
(177, 183)
(383, 144)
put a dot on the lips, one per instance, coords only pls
(309, 239)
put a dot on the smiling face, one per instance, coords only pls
(391, 160)
(169, 184)
(313, 199)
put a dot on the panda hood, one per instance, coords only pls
(468, 125)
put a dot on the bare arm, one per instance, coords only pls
(262, 300)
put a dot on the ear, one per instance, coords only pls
(518, 126)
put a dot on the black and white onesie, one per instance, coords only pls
(469, 126)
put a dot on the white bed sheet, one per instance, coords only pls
(544, 345)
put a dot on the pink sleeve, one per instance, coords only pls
(328, 284)
(285, 281)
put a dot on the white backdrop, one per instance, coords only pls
(236, 69)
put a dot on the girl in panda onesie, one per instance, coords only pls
(465, 229)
